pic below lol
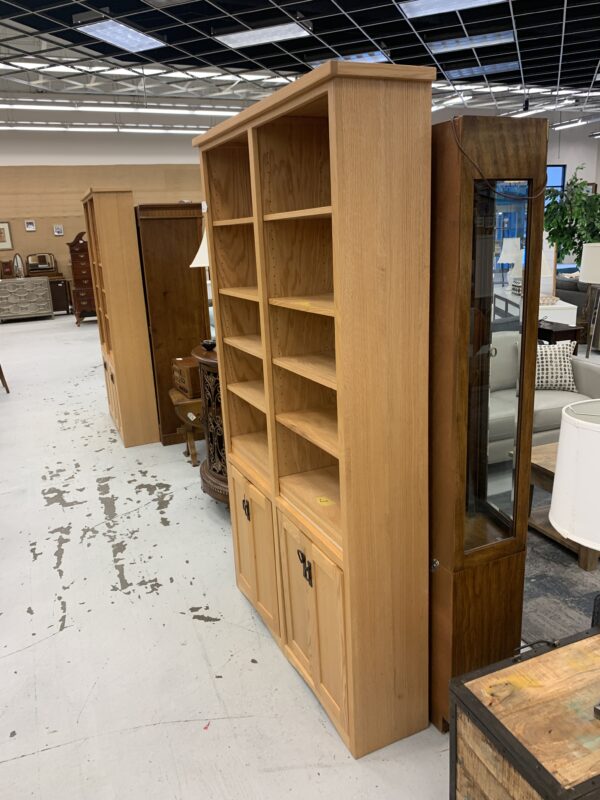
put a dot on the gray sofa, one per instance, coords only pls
(548, 404)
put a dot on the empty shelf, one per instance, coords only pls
(319, 426)
(312, 304)
(252, 392)
(318, 367)
(253, 449)
(239, 221)
(317, 494)
(244, 292)
(249, 344)
(306, 213)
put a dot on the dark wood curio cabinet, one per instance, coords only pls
(487, 226)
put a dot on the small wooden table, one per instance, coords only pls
(526, 728)
(543, 466)
(189, 412)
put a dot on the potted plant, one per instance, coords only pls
(572, 217)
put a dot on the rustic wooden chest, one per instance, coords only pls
(186, 376)
(526, 728)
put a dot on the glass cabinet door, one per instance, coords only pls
(496, 325)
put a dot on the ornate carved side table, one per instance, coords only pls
(213, 470)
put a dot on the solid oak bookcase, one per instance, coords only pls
(121, 313)
(318, 224)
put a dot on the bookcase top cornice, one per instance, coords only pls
(307, 83)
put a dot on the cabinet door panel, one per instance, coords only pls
(243, 544)
(329, 650)
(261, 521)
(296, 593)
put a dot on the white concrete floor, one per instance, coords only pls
(130, 665)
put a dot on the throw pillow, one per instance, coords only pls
(553, 367)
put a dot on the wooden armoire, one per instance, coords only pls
(488, 180)
(151, 306)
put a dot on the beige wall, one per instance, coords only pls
(52, 196)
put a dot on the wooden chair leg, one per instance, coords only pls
(3, 381)
(191, 445)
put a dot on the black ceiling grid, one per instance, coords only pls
(555, 46)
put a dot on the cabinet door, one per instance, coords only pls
(243, 546)
(329, 640)
(265, 569)
(254, 547)
(314, 607)
(296, 593)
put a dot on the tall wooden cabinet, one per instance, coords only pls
(176, 298)
(488, 185)
(121, 312)
(151, 306)
(318, 222)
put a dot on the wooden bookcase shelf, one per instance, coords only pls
(318, 425)
(318, 367)
(253, 449)
(323, 439)
(228, 223)
(252, 392)
(304, 213)
(243, 292)
(249, 344)
(314, 304)
(316, 493)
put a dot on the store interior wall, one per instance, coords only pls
(52, 195)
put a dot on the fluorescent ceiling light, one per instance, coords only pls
(372, 57)
(63, 69)
(279, 80)
(454, 101)
(574, 123)
(123, 109)
(437, 108)
(274, 33)
(485, 69)
(467, 42)
(191, 131)
(119, 35)
(31, 64)
(121, 72)
(425, 8)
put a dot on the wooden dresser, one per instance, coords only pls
(23, 298)
(122, 322)
(83, 291)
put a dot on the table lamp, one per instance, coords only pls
(590, 273)
(201, 257)
(511, 253)
(575, 506)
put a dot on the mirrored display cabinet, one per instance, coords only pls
(487, 224)
(318, 222)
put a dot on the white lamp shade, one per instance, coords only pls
(575, 507)
(511, 252)
(201, 257)
(590, 264)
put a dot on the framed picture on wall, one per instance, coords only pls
(59, 230)
(5, 238)
(591, 188)
(30, 225)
